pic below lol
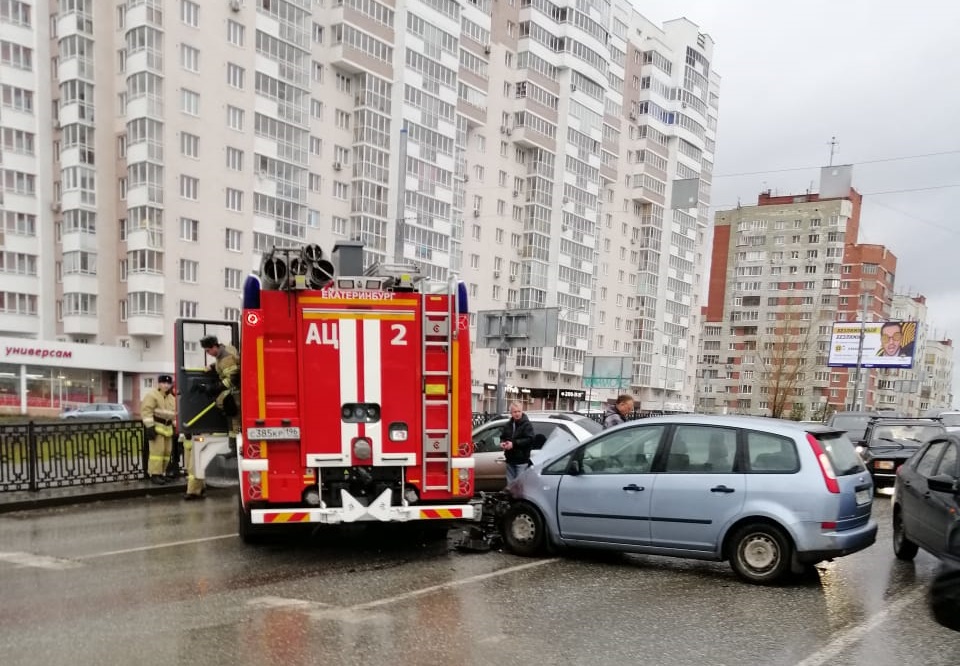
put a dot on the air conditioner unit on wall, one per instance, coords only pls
(235, 5)
(337, 166)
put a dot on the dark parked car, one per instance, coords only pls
(926, 500)
(852, 423)
(891, 441)
(945, 596)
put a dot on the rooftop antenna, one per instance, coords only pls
(833, 143)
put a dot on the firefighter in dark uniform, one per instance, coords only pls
(226, 365)
(158, 411)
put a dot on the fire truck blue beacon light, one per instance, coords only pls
(251, 293)
(462, 298)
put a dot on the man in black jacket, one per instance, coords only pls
(516, 439)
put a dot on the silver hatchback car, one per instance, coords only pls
(767, 495)
(97, 411)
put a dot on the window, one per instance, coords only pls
(189, 145)
(188, 308)
(235, 118)
(233, 240)
(629, 451)
(235, 76)
(340, 225)
(948, 463)
(189, 229)
(190, 102)
(189, 270)
(928, 461)
(190, 13)
(235, 33)
(231, 314)
(189, 58)
(702, 450)
(234, 159)
(189, 187)
(340, 190)
(234, 200)
(771, 453)
(232, 279)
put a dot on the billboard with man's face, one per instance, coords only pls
(886, 344)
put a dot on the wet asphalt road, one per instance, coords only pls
(158, 581)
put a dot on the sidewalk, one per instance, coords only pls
(22, 500)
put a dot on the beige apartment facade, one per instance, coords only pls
(154, 149)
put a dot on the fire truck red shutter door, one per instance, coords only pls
(398, 380)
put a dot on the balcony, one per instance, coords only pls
(20, 325)
(145, 239)
(526, 137)
(146, 282)
(646, 195)
(146, 325)
(80, 324)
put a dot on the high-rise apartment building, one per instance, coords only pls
(928, 385)
(782, 273)
(153, 149)
(593, 113)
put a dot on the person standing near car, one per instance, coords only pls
(617, 412)
(516, 440)
(158, 411)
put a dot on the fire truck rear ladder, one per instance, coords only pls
(439, 331)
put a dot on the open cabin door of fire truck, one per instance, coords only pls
(197, 413)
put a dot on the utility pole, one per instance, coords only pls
(856, 378)
(502, 352)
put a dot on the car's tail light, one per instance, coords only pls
(826, 468)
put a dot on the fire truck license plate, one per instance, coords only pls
(284, 432)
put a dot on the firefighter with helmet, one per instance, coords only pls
(226, 387)
(158, 411)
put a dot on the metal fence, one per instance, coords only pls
(34, 456)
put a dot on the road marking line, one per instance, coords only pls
(357, 613)
(38, 561)
(156, 546)
(855, 633)
(450, 584)
(287, 602)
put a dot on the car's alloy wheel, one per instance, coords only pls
(760, 553)
(903, 548)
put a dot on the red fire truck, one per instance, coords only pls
(354, 395)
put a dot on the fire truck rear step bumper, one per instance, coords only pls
(379, 510)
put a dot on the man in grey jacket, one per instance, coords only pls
(617, 413)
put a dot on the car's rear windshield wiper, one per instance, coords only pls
(893, 443)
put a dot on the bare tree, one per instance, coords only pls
(788, 355)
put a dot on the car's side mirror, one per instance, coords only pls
(573, 468)
(943, 483)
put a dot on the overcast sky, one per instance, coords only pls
(881, 76)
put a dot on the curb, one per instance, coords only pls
(92, 494)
